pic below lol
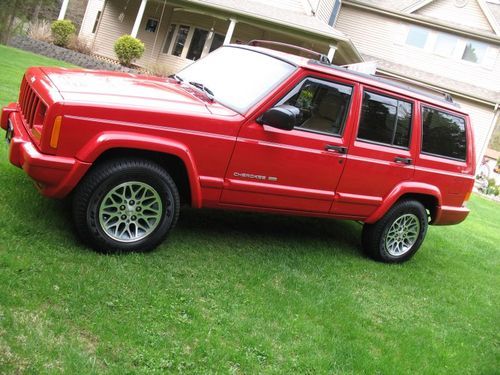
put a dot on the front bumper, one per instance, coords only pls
(54, 176)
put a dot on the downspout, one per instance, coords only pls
(159, 28)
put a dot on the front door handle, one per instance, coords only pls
(338, 149)
(401, 160)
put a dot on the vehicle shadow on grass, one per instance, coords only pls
(245, 229)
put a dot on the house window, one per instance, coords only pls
(180, 40)
(197, 43)
(96, 23)
(445, 45)
(191, 42)
(218, 41)
(474, 52)
(417, 36)
(151, 25)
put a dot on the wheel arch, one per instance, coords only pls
(428, 195)
(173, 156)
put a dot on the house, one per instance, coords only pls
(450, 46)
(177, 32)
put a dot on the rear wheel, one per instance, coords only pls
(126, 205)
(398, 235)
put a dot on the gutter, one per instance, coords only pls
(425, 21)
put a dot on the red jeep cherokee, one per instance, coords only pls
(245, 128)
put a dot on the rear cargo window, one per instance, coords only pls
(385, 120)
(443, 134)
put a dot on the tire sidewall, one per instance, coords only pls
(107, 244)
(408, 207)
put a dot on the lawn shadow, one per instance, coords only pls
(260, 229)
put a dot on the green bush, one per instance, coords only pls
(62, 31)
(128, 49)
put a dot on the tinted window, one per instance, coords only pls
(180, 41)
(443, 134)
(385, 120)
(323, 105)
(197, 44)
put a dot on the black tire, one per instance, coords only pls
(396, 246)
(147, 221)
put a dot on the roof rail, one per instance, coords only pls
(273, 45)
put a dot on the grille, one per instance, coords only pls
(32, 108)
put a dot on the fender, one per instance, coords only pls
(406, 187)
(112, 140)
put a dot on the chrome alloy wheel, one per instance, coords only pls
(402, 235)
(130, 211)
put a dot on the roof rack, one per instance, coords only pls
(273, 45)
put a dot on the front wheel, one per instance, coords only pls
(125, 206)
(398, 235)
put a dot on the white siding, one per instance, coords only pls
(470, 15)
(324, 10)
(385, 37)
(93, 7)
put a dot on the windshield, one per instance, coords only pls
(238, 78)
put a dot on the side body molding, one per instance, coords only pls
(406, 187)
(127, 140)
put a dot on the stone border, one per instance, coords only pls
(59, 53)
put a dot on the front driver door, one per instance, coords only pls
(299, 169)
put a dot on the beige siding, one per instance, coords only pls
(470, 15)
(384, 38)
(482, 120)
(324, 10)
(93, 7)
(295, 5)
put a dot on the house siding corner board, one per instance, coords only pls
(385, 38)
(469, 15)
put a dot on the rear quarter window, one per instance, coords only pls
(443, 134)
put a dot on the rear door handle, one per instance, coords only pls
(401, 160)
(338, 149)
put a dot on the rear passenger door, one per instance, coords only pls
(381, 154)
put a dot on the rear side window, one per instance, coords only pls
(385, 120)
(443, 134)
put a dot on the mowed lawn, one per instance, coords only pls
(239, 293)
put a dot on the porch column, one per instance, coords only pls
(138, 19)
(230, 31)
(331, 52)
(62, 12)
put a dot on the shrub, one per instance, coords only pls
(40, 30)
(128, 49)
(62, 31)
(159, 70)
(79, 45)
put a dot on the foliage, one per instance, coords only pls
(62, 31)
(40, 30)
(492, 188)
(238, 293)
(79, 45)
(14, 14)
(159, 70)
(128, 49)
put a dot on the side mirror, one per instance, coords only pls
(284, 117)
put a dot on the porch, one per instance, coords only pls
(177, 32)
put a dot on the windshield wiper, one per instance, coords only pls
(202, 87)
(176, 77)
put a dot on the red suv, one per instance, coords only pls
(245, 128)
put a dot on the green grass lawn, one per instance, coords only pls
(239, 293)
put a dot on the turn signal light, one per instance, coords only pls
(467, 196)
(56, 130)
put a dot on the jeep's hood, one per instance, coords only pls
(127, 90)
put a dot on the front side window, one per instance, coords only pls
(237, 77)
(417, 36)
(443, 134)
(445, 45)
(323, 105)
(385, 120)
